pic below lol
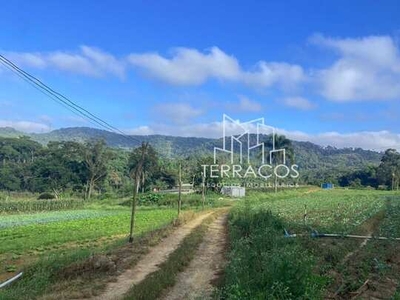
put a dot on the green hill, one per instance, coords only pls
(320, 161)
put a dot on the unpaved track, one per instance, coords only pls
(196, 281)
(150, 262)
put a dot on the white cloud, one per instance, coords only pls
(26, 126)
(192, 67)
(373, 140)
(269, 74)
(88, 61)
(179, 113)
(368, 69)
(244, 105)
(187, 66)
(298, 103)
(141, 130)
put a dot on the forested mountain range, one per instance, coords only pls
(307, 155)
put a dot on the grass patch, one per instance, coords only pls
(263, 264)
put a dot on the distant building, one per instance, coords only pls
(187, 188)
(233, 191)
(327, 186)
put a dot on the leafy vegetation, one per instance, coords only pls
(33, 205)
(80, 227)
(317, 164)
(264, 263)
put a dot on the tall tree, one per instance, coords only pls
(96, 155)
(389, 169)
(279, 142)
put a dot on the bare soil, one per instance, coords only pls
(196, 282)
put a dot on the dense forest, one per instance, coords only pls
(86, 163)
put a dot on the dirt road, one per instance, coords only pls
(150, 262)
(196, 281)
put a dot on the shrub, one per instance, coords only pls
(46, 196)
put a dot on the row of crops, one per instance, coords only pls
(327, 211)
(15, 220)
(48, 231)
(263, 263)
(30, 205)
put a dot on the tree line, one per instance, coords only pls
(384, 176)
(80, 168)
(85, 169)
(93, 168)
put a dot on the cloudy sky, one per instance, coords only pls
(327, 72)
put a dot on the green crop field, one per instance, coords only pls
(26, 238)
(261, 261)
(264, 264)
(42, 232)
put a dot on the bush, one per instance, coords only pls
(46, 196)
(150, 199)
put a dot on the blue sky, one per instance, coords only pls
(324, 71)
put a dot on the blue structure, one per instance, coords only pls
(327, 186)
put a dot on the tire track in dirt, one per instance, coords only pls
(196, 281)
(150, 262)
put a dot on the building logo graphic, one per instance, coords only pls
(249, 149)
(229, 141)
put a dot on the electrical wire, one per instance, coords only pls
(61, 99)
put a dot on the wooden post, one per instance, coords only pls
(138, 173)
(305, 215)
(203, 187)
(133, 212)
(180, 190)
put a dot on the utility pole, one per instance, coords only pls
(180, 190)
(142, 182)
(203, 187)
(138, 173)
(392, 181)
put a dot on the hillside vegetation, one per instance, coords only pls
(317, 164)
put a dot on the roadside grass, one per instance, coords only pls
(84, 272)
(263, 264)
(156, 283)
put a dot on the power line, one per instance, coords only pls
(39, 82)
(43, 92)
(61, 99)
(47, 92)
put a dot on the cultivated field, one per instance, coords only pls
(82, 252)
(266, 264)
